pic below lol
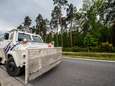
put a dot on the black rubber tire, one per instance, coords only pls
(0, 61)
(11, 67)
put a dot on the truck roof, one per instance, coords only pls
(22, 32)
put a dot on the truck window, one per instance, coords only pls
(11, 36)
(22, 36)
(6, 36)
(1, 37)
(37, 39)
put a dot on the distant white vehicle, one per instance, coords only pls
(21, 50)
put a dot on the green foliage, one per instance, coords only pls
(70, 12)
(40, 26)
(49, 38)
(92, 49)
(113, 34)
(20, 27)
(75, 49)
(55, 16)
(27, 21)
(107, 46)
(26, 24)
(108, 9)
(33, 29)
(60, 2)
(87, 29)
(89, 40)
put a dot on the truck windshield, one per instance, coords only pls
(22, 36)
(37, 39)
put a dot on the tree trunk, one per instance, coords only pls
(62, 36)
(71, 41)
(57, 38)
(44, 38)
(113, 35)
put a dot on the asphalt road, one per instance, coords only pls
(79, 73)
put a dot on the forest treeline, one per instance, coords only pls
(91, 28)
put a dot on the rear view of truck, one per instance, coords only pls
(39, 61)
(21, 50)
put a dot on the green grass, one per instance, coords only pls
(91, 55)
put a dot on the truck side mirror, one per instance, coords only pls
(6, 36)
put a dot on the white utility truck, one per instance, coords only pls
(26, 51)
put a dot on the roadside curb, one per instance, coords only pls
(67, 57)
(6, 80)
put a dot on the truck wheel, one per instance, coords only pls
(0, 61)
(11, 67)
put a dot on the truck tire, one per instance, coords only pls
(11, 67)
(0, 61)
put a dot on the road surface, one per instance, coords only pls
(79, 73)
(75, 73)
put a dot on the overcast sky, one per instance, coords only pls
(12, 12)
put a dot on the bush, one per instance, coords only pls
(92, 49)
(113, 49)
(89, 40)
(78, 49)
(75, 49)
(68, 49)
(106, 46)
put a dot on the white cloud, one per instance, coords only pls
(14, 11)
(6, 26)
(77, 3)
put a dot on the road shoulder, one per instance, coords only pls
(6, 80)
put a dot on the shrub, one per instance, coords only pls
(92, 49)
(75, 49)
(67, 49)
(89, 40)
(113, 49)
(106, 46)
(78, 49)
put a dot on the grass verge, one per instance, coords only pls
(91, 55)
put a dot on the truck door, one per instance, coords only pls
(4, 45)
